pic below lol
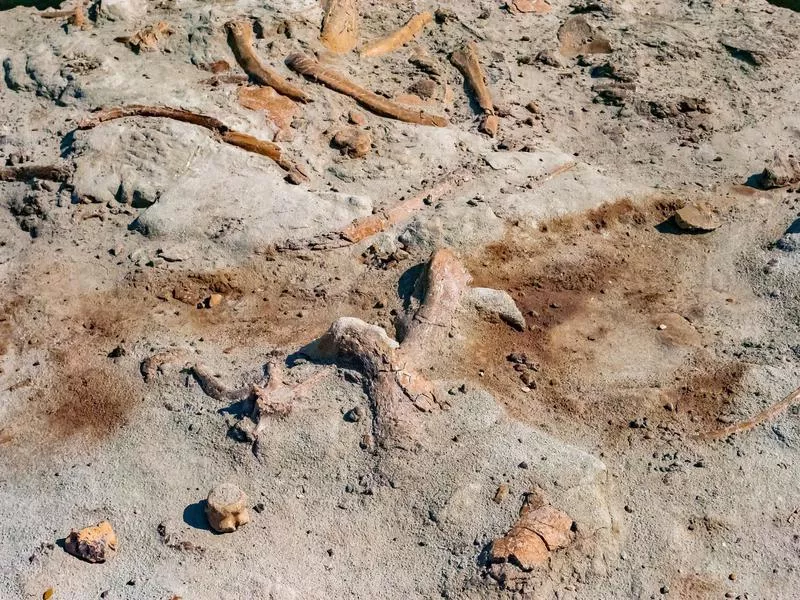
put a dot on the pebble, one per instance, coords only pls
(501, 493)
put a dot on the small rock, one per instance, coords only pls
(213, 300)
(357, 118)
(117, 352)
(697, 217)
(226, 508)
(501, 493)
(518, 358)
(94, 544)
(549, 58)
(354, 415)
(352, 142)
(424, 88)
(577, 37)
(172, 254)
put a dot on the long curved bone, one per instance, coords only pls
(241, 40)
(395, 40)
(223, 133)
(312, 69)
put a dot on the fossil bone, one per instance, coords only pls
(340, 25)
(147, 38)
(240, 35)
(465, 59)
(226, 508)
(396, 388)
(398, 38)
(223, 133)
(75, 16)
(312, 69)
(762, 417)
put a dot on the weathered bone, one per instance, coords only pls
(153, 364)
(340, 25)
(466, 60)
(235, 138)
(147, 38)
(75, 16)
(241, 41)
(395, 40)
(213, 387)
(395, 387)
(312, 69)
(540, 530)
(365, 227)
(270, 396)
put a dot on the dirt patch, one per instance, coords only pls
(614, 320)
(89, 401)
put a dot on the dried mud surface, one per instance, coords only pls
(639, 337)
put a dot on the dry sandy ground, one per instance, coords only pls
(639, 338)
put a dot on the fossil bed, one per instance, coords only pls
(638, 338)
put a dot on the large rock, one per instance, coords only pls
(196, 189)
(123, 10)
(698, 216)
(782, 171)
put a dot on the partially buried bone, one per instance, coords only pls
(312, 69)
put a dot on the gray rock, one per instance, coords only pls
(782, 171)
(497, 302)
(122, 10)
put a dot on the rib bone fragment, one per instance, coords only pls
(312, 69)
(241, 40)
(400, 37)
(340, 26)
(762, 417)
(223, 133)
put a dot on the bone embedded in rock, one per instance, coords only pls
(241, 40)
(309, 67)
(340, 25)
